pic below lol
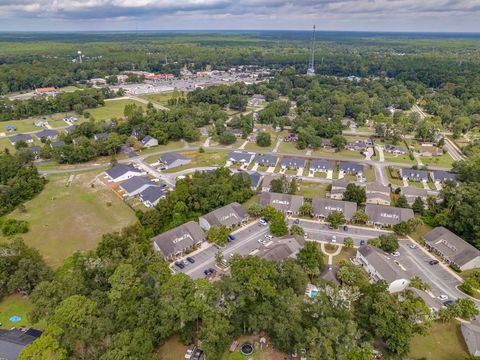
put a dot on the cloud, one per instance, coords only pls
(246, 12)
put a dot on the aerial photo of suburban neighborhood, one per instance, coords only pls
(240, 194)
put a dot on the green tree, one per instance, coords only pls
(311, 258)
(278, 225)
(360, 217)
(44, 348)
(306, 209)
(355, 194)
(348, 242)
(264, 139)
(401, 202)
(339, 142)
(296, 230)
(218, 235)
(418, 206)
(418, 283)
(336, 218)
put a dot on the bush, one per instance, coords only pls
(12, 227)
(264, 139)
(227, 139)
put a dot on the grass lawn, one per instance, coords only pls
(173, 349)
(444, 342)
(170, 146)
(5, 144)
(160, 98)
(251, 146)
(112, 109)
(345, 254)
(339, 154)
(421, 230)
(253, 200)
(369, 173)
(290, 148)
(444, 160)
(312, 189)
(403, 159)
(64, 219)
(208, 158)
(15, 304)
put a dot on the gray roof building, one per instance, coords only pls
(282, 248)
(323, 207)
(267, 181)
(256, 178)
(289, 204)
(122, 172)
(412, 192)
(413, 174)
(377, 188)
(174, 242)
(69, 129)
(152, 195)
(47, 134)
(442, 176)
(293, 163)
(240, 157)
(350, 167)
(101, 136)
(25, 137)
(471, 335)
(266, 160)
(433, 303)
(137, 184)
(13, 341)
(229, 215)
(55, 144)
(149, 140)
(174, 159)
(394, 149)
(340, 184)
(387, 215)
(452, 248)
(321, 165)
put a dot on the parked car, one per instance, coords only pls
(362, 242)
(262, 222)
(334, 238)
(448, 302)
(433, 262)
(296, 221)
(190, 259)
(198, 354)
(305, 236)
(231, 237)
(179, 264)
(190, 352)
(396, 254)
(185, 262)
(413, 246)
(345, 228)
(443, 297)
(268, 236)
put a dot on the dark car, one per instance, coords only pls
(198, 354)
(345, 228)
(448, 302)
(179, 264)
(296, 221)
(433, 262)
(231, 237)
(212, 270)
(190, 259)
(362, 242)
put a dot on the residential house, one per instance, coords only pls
(55, 144)
(380, 266)
(288, 204)
(293, 163)
(282, 248)
(20, 137)
(243, 158)
(176, 241)
(338, 188)
(14, 340)
(267, 180)
(235, 132)
(70, 119)
(433, 303)
(429, 151)
(359, 145)
(326, 143)
(152, 195)
(266, 160)
(452, 248)
(321, 166)
(411, 193)
(10, 128)
(256, 100)
(396, 150)
(380, 215)
(35, 150)
(230, 215)
(101, 136)
(471, 335)
(122, 172)
(256, 179)
(136, 184)
(41, 123)
(414, 175)
(47, 134)
(70, 129)
(350, 168)
(377, 194)
(323, 207)
(290, 137)
(442, 176)
(46, 91)
(149, 141)
(172, 160)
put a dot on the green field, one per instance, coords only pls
(444, 160)
(345, 254)
(251, 146)
(112, 109)
(312, 189)
(369, 173)
(444, 342)
(70, 216)
(208, 158)
(14, 305)
(290, 148)
(161, 98)
(338, 154)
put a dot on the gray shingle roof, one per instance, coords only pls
(70, 128)
(326, 206)
(442, 175)
(412, 191)
(179, 239)
(152, 194)
(136, 183)
(170, 158)
(146, 139)
(413, 174)
(350, 167)
(255, 177)
(55, 144)
(387, 215)
(324, 165)
(13, 341)
(47, 134)
(227, 215)
(293, 162)
(25, 137)
(451, 246)
(282, 248)
(377, 188)
(101, 136)
(121, 169)
(387, 269)
(267, 160)
(240, 157)
(282, 202)
(342, 183)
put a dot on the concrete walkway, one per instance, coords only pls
(243, 145)
(331, 255)
(381, 155)
(207, 142)
(275, 149)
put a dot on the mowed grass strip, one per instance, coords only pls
(70, 215)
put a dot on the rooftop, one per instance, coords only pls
(282, 248)
(227, 215)
(180, 238)
(170, 158)
(383, 265)
(387, 215)
(121, 169)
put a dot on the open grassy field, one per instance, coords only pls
(112, 109)
(345, 254)
(312, 189)
(161, 98)
(444, 160)
(251, 146)
(338, 154)
(290, 148)
(71, 215)
(444, 342)
(14, 305)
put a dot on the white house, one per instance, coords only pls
(122, 172)
(149, 141)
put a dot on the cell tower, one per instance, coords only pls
(79, 56)
(311, 63)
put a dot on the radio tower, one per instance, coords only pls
(311, 63)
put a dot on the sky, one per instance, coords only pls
(343, 15)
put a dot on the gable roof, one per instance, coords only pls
(170, 158)
(293, 162)
(350, 166)
(47, 133)
(34, 149)
(413, 191)
(136, 183)
(70, 128)
(414, 174)
(471, 334)
(146, 139)
(240, 156)
(282, 202)
(284, 247)
(121, 169)
(377, 188)
(57, 143)
(340, 183)
(152, 194)
(18, 137)
(387, 215)
(451, 246)
(227, 215)
(177, 239)
(266, 159)
(326, 206)
(321, 165)
(101, 136)
(387, 269)
(255, 177)
(442, 175)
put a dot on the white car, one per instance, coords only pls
(269, 237)
(305, 235)
(413, 246)
(262, 222)
(334, 238)
(443, 297)
(396, 253)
